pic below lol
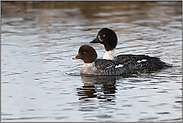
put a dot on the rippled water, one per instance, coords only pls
(41, 82)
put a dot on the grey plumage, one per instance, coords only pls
(108, 67)
(141, 62)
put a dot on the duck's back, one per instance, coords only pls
(141, 62)
(110, 67)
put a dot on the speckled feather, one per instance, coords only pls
(146, 62)
(108, 67)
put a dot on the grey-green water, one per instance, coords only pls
(41, 82)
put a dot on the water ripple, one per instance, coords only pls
(41, 82)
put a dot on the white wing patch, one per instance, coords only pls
(138, 61)
(108, 67)
(143, 60)
(120, 65)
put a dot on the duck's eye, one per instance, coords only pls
(103, 35)
(84, 52)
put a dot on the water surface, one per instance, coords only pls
(41, 82)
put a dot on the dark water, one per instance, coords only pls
(41, 82)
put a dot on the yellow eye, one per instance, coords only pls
(103, 35)
(84, 52)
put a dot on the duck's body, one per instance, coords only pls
(94, 66)
(108, 38)
(141, 62)
(104, 67)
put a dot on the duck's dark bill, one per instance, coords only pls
(96, 40)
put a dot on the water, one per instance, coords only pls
(41, 82)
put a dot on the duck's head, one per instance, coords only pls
(87, 54)
(107, 37)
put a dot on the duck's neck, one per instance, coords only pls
(109, 55)
(87, 68)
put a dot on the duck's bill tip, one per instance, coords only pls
(76, 57)
(95, 41)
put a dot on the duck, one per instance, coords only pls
(109, 39)
(101, 67)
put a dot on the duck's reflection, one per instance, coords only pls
(101, 87)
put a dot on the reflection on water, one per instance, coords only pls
(98, 86)
(41, 82)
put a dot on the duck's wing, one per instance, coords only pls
(110, 67)
(125, 58)
(104, 63)
(140, 62)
